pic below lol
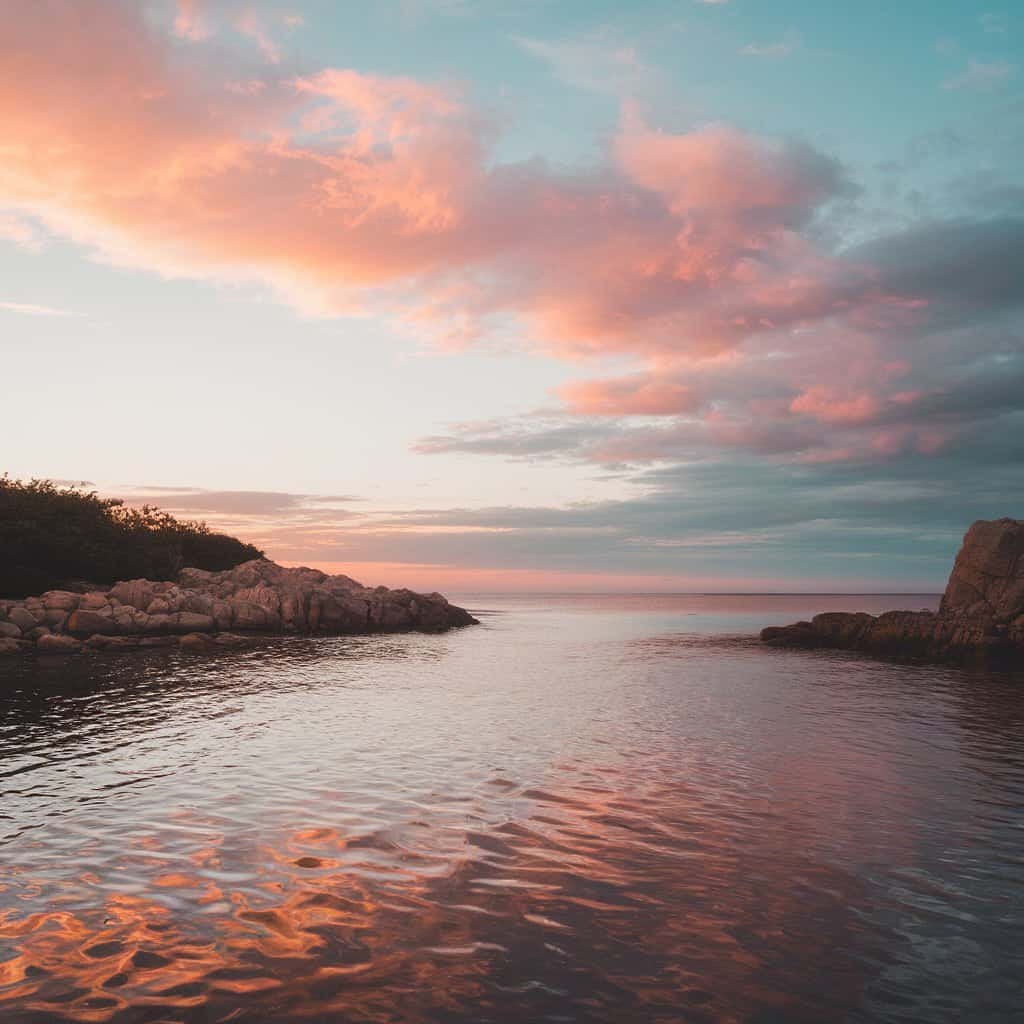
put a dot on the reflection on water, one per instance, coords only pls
(585, 810)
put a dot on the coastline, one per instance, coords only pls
(212, 610)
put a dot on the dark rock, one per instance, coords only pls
(55, 644)
(980, 619)
(84, 622)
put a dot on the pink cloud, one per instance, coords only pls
(642, 395)
(687, 252)
(328, 183)
(827, 406)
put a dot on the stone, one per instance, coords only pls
(197, 642)
(22, 618)
(55, 619)
(84, 622)
(93, 601)
(192, 622)
(60, 600)
(134, 593)
(8, 645)
(9, 631)
(988, 575)
(35, 634)
(52, 643)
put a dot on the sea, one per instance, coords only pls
(614, 808)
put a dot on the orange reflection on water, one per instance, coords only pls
(592, 903)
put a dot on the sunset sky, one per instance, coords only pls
(545, 294)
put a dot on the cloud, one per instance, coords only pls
(20, 230)
(982, 76)
(993, 24)
(779, 48)
(599, 62)
(29, 309)
(339, 188)
(730, 341)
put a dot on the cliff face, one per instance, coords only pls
(207, 608)
(980, 618)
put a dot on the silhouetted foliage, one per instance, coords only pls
(50, 534)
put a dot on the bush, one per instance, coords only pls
(50, 534)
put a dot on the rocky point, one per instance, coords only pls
(206, 610)
(980, 618)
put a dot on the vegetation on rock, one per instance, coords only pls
(51, 534)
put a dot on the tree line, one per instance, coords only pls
(52, 534)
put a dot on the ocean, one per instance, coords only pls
(589, 808)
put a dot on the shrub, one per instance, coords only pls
(50, 534)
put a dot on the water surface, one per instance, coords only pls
(604, 809)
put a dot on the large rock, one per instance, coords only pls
(54, 644)
(988, 575)
(84, 622)
(980, 618)
(22, 618)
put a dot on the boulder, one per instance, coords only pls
(52, 643)
(84, 622)
(8, 645)
(60, 600)
(22, 618)
(134, 593)
(988, 575)
(192, 622)
(9, 631)
(197, 642)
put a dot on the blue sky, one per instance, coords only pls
(561, 295)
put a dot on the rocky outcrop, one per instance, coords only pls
(207, 610)
(980, 618)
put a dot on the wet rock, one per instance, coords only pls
(197, 642)
(53, 643)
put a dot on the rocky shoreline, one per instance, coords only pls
(980, 619)
(211, 610)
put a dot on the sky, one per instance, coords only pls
(693, 295)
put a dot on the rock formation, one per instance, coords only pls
(206, 610)
(980, 619)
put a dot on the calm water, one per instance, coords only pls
(587, 809)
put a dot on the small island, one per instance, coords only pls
(227, 591)
(980, 619)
